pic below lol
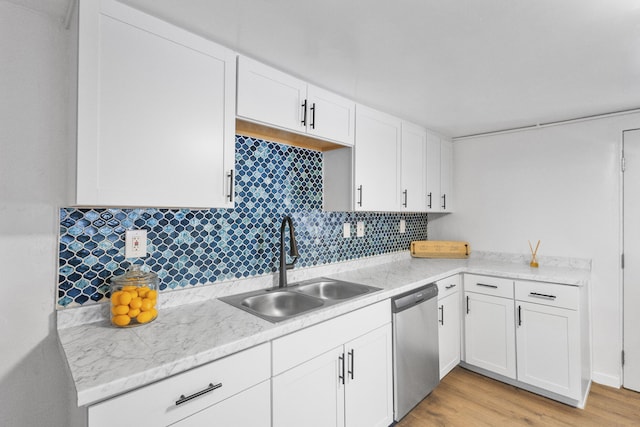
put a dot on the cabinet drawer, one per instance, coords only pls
(488, 285)
(552, 294)
(448, 286)
(298, 347)
(157, 404)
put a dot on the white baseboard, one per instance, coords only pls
(605, 379)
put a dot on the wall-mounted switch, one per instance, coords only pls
(403, 226)
(346, 230)
(135, 244)
(360, 229)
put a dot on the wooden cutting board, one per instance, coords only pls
(440, 249)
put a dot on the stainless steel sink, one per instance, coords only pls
(333, 289)
(280, 304)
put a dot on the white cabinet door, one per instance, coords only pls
(330, 116)
(270, 96)
(156, 123)
(414, 145)
(433, 173)
(377, 161)
(439, 174)
(489, 333)
(311, 394)
(548, 348)
(250, 408)
(446, 175)
(369, 388)
(449, 333)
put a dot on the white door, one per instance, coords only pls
(490, 341)
(377, 161)
(548, 348)
(369, 390)
(414, 145)
(631, 272)
(449, 333)
(311, 394)
(433, 173)
(330, 116)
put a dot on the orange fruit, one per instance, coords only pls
(120, 309)
(152, 294)
(133, 312)
(136, 302)
(146, 304)
(121, 320)
(144, 317)
(124, 298)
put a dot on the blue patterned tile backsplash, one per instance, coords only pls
(194, 247)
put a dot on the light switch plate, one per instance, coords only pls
(403, 226)
(135, 244)
(360, 229)
(346, 230)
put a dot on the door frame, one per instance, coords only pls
(621, 228)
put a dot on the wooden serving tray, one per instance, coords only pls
(440, 249)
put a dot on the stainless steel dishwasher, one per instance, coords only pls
(415, 347)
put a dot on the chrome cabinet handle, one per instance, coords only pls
(352, 355)
(519, 315)
(209, 389)
(405, 198)
(467, 304)
(341, 368)
(444, 201)
(230, 176)
(542, 296)
(429, 204)
(450, 286)
(442, 315)
(360, 198)
(487, 286)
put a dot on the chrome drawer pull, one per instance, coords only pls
(450, 286)
(543, 296)
(487, 286)
(184, 399)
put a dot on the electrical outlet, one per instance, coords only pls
(403, 226)
(135, 244)
(360, 229)
(346, 230)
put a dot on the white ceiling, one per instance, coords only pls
(459, 67)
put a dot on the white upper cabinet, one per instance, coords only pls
(156, 119)
(274, 98)
(377, 161)
(414, 146)
(439, 174)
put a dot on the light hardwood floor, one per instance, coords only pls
(465, 398)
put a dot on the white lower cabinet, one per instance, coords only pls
(449, 333)
(533, 333)
(548, 338)
(233, 411)
(349, 384)
(489, 334)
(209, 393)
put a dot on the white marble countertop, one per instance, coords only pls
(105, 361)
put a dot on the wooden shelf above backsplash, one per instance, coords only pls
(255, 130)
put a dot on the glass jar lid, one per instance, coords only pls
(135, 276)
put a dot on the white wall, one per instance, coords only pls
(34, 144)
(561, 185)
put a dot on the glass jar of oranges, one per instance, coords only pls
(134, 298)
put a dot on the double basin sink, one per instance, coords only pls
(280, 304)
